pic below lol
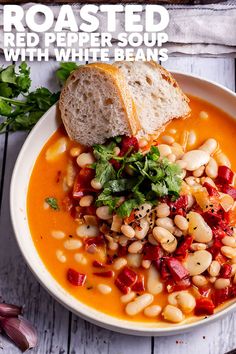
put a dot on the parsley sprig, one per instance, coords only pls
(152, 178)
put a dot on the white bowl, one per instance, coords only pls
(213, 93)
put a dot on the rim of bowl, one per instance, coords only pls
(88, 312)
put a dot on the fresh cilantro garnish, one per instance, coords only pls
(65, 70)
(152, 178)
(21, 114)
(52, 202)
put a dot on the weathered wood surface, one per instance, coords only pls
(61, 332)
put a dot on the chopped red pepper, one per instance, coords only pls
(116, 164)
(75, 278)
(211, 190)
(97, 264)
(220, 295)
(129, 143)
(225, 271)
(97, 241)
(151, 252)
(204, 291)
(204, 306)
(139, 285)
(211, 218)
(122, 251)
(164, 270)
(126, 278)
(179, 207)
(82, 183)
(184, 246)
(107, 274)
(122, 287)
(90, 210)
(176, 269)
(220, 258)
(179, 285)
(225, 175)
(229, 190)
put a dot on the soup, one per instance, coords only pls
(121, 262)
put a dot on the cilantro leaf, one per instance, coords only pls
(52, 202)
(65, 70)
(104, 172)
(104, 152)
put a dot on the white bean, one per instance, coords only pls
(171, 157)
(154, 285)
(203, 115)
(228, 252)
(146, 264)
(80, 258)
(72, 244)
(96, 184)
(104, 289)
(76, 151)
(164, 150)
(186, 301)
(119, 263)
(85, 230)
(86, 201)
(199, 172)
(103, 213)
(84, 159)
(139, 304)
(173, 314)
(229, 241)
(128, 231)
(58, 234)
(198, 228)
(168, 139)
(199, 280)
(182, 164)
(195, 159)
(209, 146)
(212, 168)
(166, 239)
(152, 311)
(58, 148)
(166, 223)
(60, 256)
(141, 233)
(191, 138)
(135, 247)
(152, 240)
(127, 297)
(163, 210)
(192, 181)
(221, 283)
(214, 269)
(177, 149)
(197, 262)
(222, 159)
(134, 260)
(181, 222)
(198, 246)
(142, 142)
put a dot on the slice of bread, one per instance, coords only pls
(157, 96)
(96, 104)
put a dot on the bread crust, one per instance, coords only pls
(114, 76)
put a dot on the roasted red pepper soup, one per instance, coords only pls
(141, 229)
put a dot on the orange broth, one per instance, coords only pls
(46, 181)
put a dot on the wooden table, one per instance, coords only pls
(61, 332)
